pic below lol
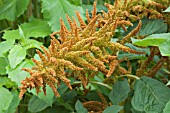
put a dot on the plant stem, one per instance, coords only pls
(92, 82)
(25, 105)
(36, 12)
(130, 76)
(102, 84)
(29, 11)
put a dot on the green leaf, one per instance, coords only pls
(165, 48)
(11, 34)
(6, 98)
(48, 98)
(152, 26)
(59, 8)
(80, 108)
(167, 108)
(76, 2)
(69, 95)
(30, 43)
(16, 55)
(131, 56)
(93, 96)
(15, 102)
(36, 104)
(17, 74)
(120, 92)
(5, 81)
(135, 111)
(149, 26)
(113, 109)
(3, 64)
(150, 95)
(35, 28)
(66, 105)
(62, 89)
(11, 9)
(160, 40)
(152, 40)
(6, 45)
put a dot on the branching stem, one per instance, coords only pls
(93, 82)
(129, 76)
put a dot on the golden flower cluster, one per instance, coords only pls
(84, 49)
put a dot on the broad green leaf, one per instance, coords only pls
(93, 96)
(17, 74)
(80, 108)
(135, 111)
(120, 92)
(15, 102)
(152, 26)
(16, 55)
(131, 56)
(53, 10)
(69, 95)
(36, 104)
(160, 40)
(167, 108)
(11, 9)
(62, 89)
(113, 109)
(48, 98)
(165, 48)
(152, 40)
(35, 28)
(6, 98)
(3, 64)
(150, 95)
(149, 26)
(66, 105)
(11, 34)
(6, 45)
(30, 43)
(5, 81)
(76, 2)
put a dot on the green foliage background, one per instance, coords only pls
(25, 25)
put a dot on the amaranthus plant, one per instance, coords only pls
(78, 54)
